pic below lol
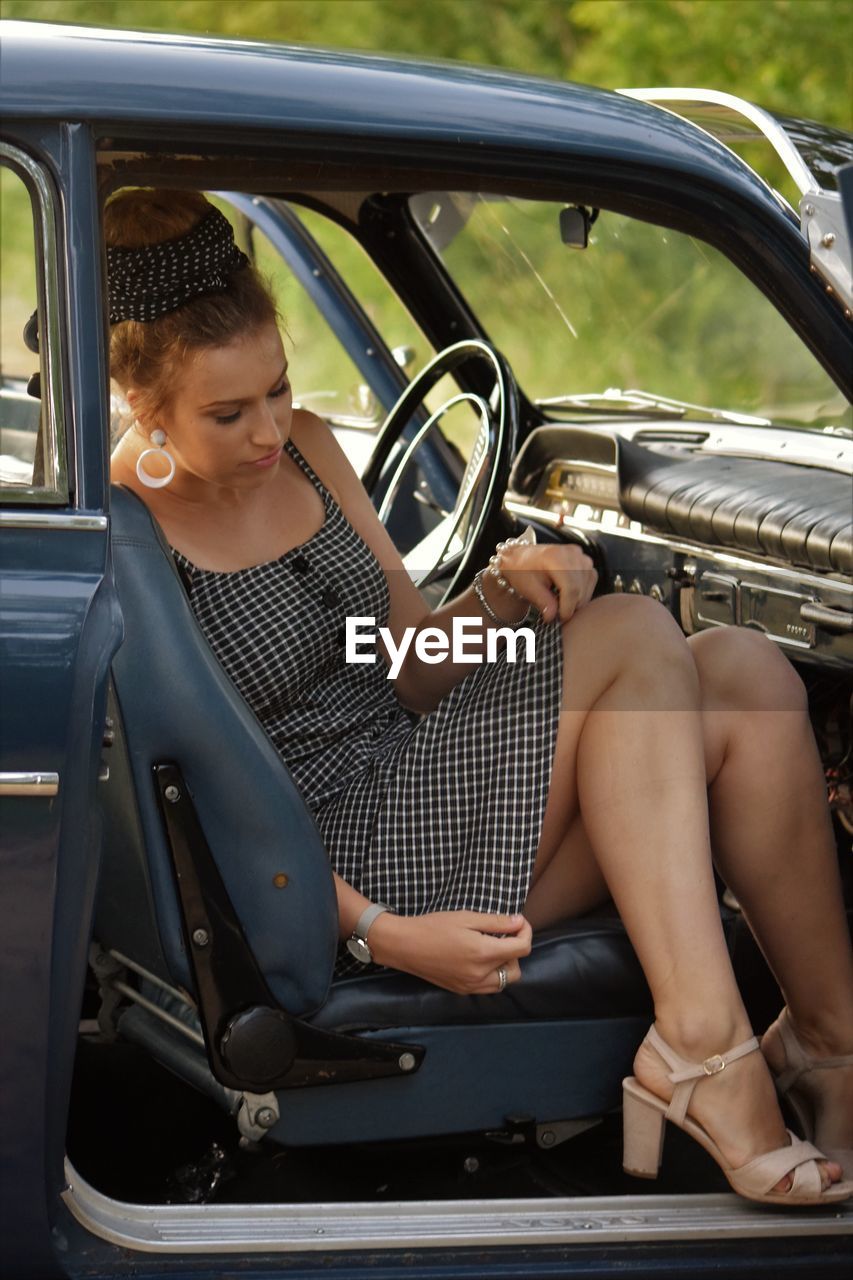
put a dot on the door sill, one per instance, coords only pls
(246, 1228)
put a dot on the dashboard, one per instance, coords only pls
(720, 539)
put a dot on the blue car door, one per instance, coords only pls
(60, 627)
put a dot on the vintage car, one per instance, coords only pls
(627, 337)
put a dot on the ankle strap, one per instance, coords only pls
(685, 1075)
(797, 1061)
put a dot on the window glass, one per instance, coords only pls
(641, 309)
(380, 303)
(30, 462)
(400, 331)
(324, 377)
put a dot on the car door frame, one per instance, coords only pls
(60, 628)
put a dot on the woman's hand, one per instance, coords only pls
(557, 578)
(461, 951)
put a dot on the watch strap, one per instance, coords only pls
(366, 919)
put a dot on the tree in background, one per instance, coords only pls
(792, 56)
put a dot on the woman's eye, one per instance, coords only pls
(230, 417)
(280, 390)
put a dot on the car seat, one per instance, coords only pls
(216, 928)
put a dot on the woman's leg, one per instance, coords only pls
(630, 759)
(772, 838)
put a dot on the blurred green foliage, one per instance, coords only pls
(790, 55)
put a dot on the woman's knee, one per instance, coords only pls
(740, 668)
(618, 635)
(631, 628)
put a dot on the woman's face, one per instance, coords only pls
(230, 413)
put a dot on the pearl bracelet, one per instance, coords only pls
(494, 567)
(489, 611)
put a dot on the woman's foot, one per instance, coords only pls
(823, 1099)
(736, 1107)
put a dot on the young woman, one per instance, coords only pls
(465, 805)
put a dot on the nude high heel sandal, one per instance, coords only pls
(798, 1063)
(645, 1115)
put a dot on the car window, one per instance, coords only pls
(376, 297)
(32, 456)
(641, 308)
(325, 378)
(412, 349)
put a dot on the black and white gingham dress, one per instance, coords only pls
(430, 813)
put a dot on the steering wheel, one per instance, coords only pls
(454, 543)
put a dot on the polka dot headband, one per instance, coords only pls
(154, 279)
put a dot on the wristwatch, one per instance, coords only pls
(357, 944)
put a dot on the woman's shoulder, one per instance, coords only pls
(315, 440)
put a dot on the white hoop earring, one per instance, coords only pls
(158, 438)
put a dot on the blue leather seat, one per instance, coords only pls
(554, 1046)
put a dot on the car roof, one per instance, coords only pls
(162, 81)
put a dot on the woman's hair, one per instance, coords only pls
(148, 355)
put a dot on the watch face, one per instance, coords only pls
(358, 947)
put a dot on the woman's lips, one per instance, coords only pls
(268, 459)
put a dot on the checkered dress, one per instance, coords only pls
(424, 813)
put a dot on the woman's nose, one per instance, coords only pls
(266, 429)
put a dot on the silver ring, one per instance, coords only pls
(501, 978)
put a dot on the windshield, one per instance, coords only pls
(641, 308)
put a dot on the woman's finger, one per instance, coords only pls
(496, 951)
(485, 922)
(535, 587)
(491, 982)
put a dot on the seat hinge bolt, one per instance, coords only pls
(201, 937)
(265, 1117)
(172, 794)
(406, 1062)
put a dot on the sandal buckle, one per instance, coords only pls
(714, 1065)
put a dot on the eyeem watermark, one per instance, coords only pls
(432, 644)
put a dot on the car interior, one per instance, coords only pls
(467, 347)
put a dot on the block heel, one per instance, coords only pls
(642, 1132)
(645, 1115)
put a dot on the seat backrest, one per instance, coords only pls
(177, 705)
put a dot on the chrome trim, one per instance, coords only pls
(636, 532)
(825, 451)
(137, 997)
(24, 519)
(28, 784)
(149, 976)
(824, 224)
(762, 120)
(329, 1228)
(55, 487)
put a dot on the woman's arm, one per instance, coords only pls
(535, 570)
(458, 950)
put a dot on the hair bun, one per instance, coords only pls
(151, 280)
